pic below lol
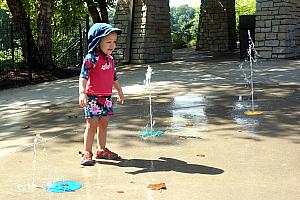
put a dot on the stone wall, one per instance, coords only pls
(150, 37)
(217, 31)
(121, 22)
(147, 37)
(277, 33)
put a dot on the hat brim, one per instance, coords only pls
(93, 44)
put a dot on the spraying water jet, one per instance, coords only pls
(251, 50)
(146, 132)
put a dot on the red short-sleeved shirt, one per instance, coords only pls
(100, 72)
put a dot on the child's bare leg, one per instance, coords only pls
(102, 131)
(89, 134)
(103, 152)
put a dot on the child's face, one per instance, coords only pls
(108, 43)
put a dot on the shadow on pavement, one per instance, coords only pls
(163, 165)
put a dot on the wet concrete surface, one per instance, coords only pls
(198, 101)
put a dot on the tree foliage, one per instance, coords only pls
(68, 13)
(3, 6)
(4, 16)
(184, 26)
(181, 15)
(65, 17)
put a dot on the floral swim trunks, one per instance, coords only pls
(98, 106)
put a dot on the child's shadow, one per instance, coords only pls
(163, 164)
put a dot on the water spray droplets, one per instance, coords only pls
(252, 58)
(147, 83)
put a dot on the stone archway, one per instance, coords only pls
(146, 29)
(146, 34)
(217, 27)
(277, 27)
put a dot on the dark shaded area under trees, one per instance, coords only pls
(42, 29)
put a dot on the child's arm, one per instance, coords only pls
(118, 87)
(82, 92)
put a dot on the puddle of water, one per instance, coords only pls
(188, 111)
(245, 122)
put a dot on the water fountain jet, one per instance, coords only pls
(252, 59)
(151, 132)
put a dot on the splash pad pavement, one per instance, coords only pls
(209, 149)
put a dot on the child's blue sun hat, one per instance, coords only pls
(97, 31)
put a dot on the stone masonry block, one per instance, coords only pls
(267, 17)
(260, 24)
(260, 36)
(263, 12)
(284, 28)
(287, 21)
(271, 36)
(284, 10)
(285, 43)
(282, 36)
(272, 43)
(268, 23)
(275, 22)
(265, 30)
(279, 50)
(265, 54)
(265, 48)
(267, 4)
(261, 44)
(275, 29)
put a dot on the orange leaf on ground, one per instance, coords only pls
(158, 186)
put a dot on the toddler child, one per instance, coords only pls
(97, 78)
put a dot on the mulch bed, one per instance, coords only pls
(13, 79)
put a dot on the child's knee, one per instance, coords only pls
(92, 123)
(103, 120)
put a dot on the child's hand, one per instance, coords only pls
(82, 99)
(121, 97)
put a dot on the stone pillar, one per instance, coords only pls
(277, 32)
(121, 21)
(151, 31)
(217, 29)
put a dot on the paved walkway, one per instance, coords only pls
(209, 149)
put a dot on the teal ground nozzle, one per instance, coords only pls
(150, 133)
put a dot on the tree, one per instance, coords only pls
(36, 52)
(95, 5)
(181, 15)
(4, 18)
(44, 44)
(184, 23)
(33, 21)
